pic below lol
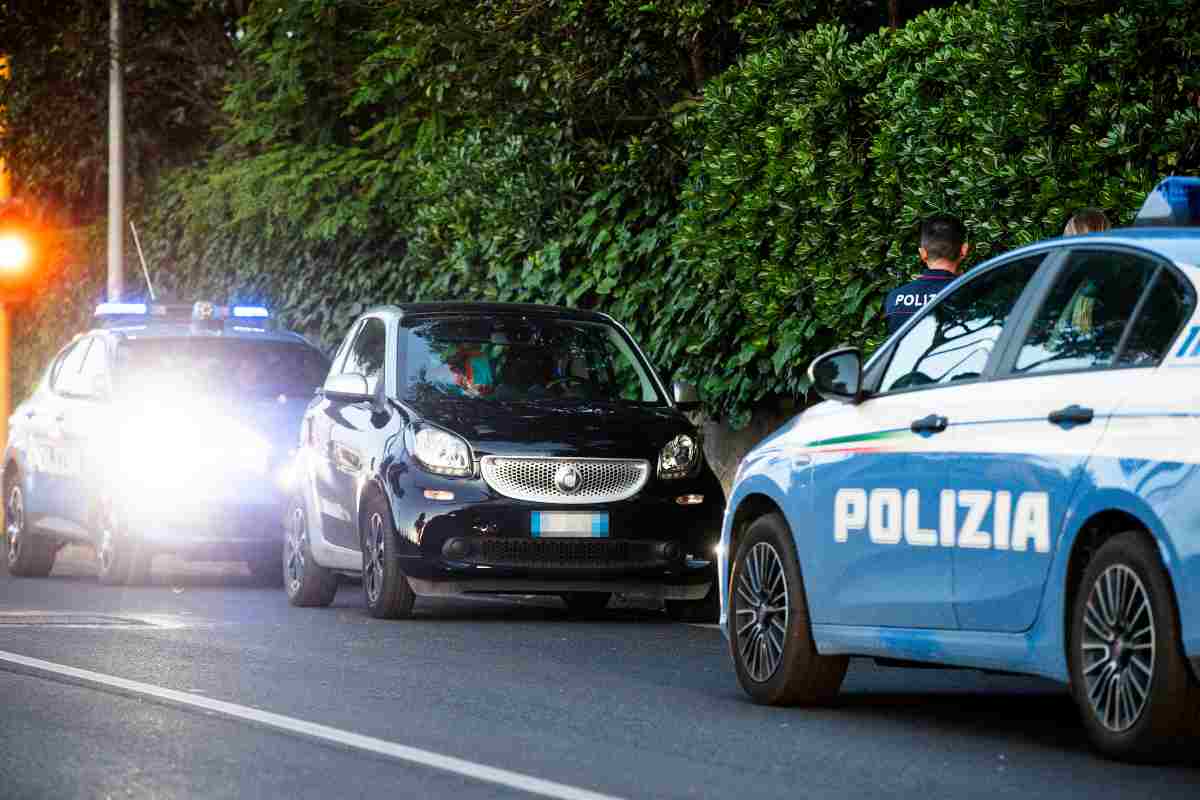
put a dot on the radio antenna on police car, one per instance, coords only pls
(142, 258)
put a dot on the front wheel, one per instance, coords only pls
(29, 555)
(120, 556)
(1128, 673)
(387, 591)
(306, 582)
(769, 631)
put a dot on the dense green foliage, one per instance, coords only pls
(737, 181)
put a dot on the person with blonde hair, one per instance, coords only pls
(1087, 220)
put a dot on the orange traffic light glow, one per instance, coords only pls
(16, 253)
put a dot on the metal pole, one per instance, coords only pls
(5, 356)
(116, 157)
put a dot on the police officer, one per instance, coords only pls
(943, 248)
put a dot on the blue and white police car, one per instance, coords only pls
(1012, 483)
(165, 429)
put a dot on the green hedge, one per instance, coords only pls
(738, 235)
(821, 157)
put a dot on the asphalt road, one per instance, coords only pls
(627, 705)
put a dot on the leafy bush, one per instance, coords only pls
(820, 157)
(558, 152)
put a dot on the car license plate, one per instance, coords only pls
(568, 524)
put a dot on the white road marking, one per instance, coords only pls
(312, 730)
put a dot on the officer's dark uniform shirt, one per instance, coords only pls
(910, 298)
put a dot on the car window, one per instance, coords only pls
(65, 379)
(94, 365)
(954, 339)
(522, 359)
(1169, 303)
(366, 355)
(339, 357)
(1081, 322)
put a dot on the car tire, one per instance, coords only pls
(586, 604)
(705, 610)
(1135, 692)
(268, 570)
(28, 554)
(121, 557)
(305, 581)
(385, 588)
(770, 635)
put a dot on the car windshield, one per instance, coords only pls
(219, 366)
(501, 359)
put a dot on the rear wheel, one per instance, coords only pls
(387, 591)
(28, 554)
(1128, 672)
(306, 582)
(586, 604)
(121, 557)
(769, 631)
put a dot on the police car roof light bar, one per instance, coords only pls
(250, 312)
(1175, 202)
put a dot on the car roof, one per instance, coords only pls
(450, 308)
(1178, 245)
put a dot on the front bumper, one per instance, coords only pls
(482, 542)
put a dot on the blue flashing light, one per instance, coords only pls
(1175, 202)
(115, 309)
(250, 312)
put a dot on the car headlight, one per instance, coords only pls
(679, 457)
(442, 453)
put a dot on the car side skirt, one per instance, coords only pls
(1009, 652)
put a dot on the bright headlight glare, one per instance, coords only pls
(442, 452)
(202, 449)
(678, 457)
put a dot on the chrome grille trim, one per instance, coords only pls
(531, 478)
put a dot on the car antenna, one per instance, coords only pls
(142, 258)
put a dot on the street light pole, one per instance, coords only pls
(5, 324)
(116, 157)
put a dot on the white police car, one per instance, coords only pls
(1012, 482)
(164, 430)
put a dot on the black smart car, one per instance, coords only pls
(480, 448)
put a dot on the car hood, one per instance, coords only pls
(596, 430)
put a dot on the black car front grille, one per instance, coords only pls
(567, 553)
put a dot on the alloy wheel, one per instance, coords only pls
(760, 609)
(374, 553)
(296, 540)
(1118, 648)
(15, 515)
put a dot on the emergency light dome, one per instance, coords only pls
(1175, 202)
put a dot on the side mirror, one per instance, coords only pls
(685, 395)
(837, 375)
(347, 386)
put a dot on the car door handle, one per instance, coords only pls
(934, 423)
(1071, 415)
(60, 418)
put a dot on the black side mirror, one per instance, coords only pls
(837, 375)
(685, 395)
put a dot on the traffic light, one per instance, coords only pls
(20, 244)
